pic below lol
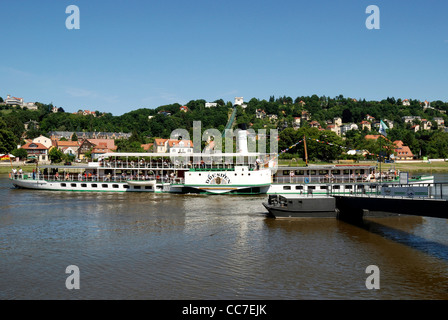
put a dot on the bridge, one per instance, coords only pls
(413, 199)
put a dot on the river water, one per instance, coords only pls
(192, 247)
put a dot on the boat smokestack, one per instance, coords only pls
(242, 138)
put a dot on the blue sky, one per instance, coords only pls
(144, 54)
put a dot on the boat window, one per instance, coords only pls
(94, 185)
(83, 185)
(348, 187)
(63, 185)
(148, 187)
(312, 172)
(126, 186)
(336, 172)
(299, 172)
(285, 172)
(137, 187)
(299, 187)
(104, 185)
(323, 172)
(73, 185)
(323, 187)
(311, 187)
(115, 186)
(286, 187)
(336, 187)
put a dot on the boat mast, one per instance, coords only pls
(306, 153)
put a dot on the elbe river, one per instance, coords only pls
(184, 247)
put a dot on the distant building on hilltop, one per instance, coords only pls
(14, 101)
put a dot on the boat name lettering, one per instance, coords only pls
(217, 178)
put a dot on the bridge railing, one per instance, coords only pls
(437, 190)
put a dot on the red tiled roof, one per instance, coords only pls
(187, 143)
(34, 146)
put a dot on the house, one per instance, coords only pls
(36, 150)
(302, 103)
(32, 124)
(100, 149)
(296, 122)
(410, 119)
(14, 101)
(43, 140)
(180, 146)
(337, 121)
(184, 109)
(389, 123)
(440, 122)
(30, 106)
(426, 125)
(84, 147)
(260, 114)
(415, 127)
(97, 147)
(160, 145)
(211, 104)
(306, 115)
(238, 101)
(336, 129)
(427, 105)
(273, 117)
(65, 145)
(370, 118)
(70, 151)
(314, 124)
(147, 147)
(348, 127)
(366, 124)
(406, 103)
(165, 113)
(402, 152)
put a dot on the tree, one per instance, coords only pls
(20, 153)
(55, 155)
(74, 137)
(7, 138)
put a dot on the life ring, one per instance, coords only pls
(307, 180)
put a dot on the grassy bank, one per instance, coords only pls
(7, 169)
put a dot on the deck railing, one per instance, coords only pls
(94, 178)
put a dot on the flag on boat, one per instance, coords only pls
(383, 128)
(5, 157)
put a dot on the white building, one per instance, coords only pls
(211, 104)
(14, 101)
(348, 127)
(44, 141)
(239, 101)
(180, 146)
